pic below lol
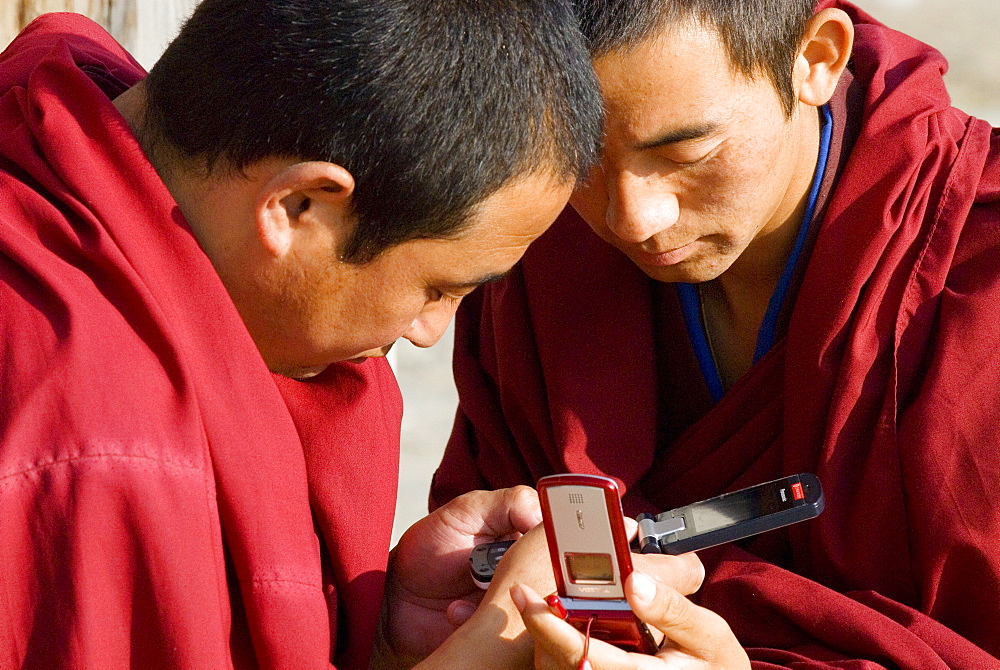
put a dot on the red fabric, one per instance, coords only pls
(885, 386)
(160, 493)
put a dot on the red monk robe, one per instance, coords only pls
(886, 385)
(165, 502)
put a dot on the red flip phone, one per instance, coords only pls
(591, 557)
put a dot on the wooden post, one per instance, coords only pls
(10, 21)
(143, 27)
(16, 14)
(156, 24)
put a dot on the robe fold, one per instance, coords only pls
(165, 501)
(885, 385)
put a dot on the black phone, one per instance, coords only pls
(725, 518)
(484, 559)
(732, 516)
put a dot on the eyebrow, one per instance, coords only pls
(680, 135)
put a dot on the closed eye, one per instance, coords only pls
(438, 295)
(685, 146)
(459, 291)
(688, 155)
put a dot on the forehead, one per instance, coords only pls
(496, 235)
(681, 69)
(523, 206)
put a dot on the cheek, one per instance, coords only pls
(389, 314)
(739, 185)
(768, 161)
(713, 194)
(396, 311)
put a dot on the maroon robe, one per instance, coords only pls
(886, 385)
(165, 501)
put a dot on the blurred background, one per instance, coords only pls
(143, 27)
(964, 30)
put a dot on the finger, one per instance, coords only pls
(525, 510)
(460, 611)
(494, 514)
(684, 573)
(631, 528)
(556, 641)
(560, 645)
(688, 628)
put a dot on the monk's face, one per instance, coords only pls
(336, 311)
(702, 168)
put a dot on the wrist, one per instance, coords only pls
(384, 656)
(493, 637)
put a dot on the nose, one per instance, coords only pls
(431, 324)
(639, 208)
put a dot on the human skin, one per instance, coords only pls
(703, 179)
(494, 634)
(274, 232)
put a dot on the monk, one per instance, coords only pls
(200, 273)
(785, 262)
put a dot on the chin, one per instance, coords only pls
(302, 373)
(681, 273)
(357, 360)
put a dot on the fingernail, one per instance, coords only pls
(462, 612)
(643, 588)
(517, 595)
(556, 606)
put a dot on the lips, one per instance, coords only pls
(372, 353)
(667, 258)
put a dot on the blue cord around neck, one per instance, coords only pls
(691, 301)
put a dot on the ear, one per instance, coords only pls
(299, 195)
(823, 56)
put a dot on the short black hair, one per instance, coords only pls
(432, 105)
(760, 36)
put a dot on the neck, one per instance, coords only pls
(205, 200)
(734, 304)
(220, 206)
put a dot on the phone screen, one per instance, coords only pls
(730, 509)
(590, 568)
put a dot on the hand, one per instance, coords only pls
(494, 635)
(528, 562)
(429, 589)
(694, 638)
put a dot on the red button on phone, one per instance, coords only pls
(556, 606)
(797, 491)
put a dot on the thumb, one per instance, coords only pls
(460, 611)
(687, 628)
